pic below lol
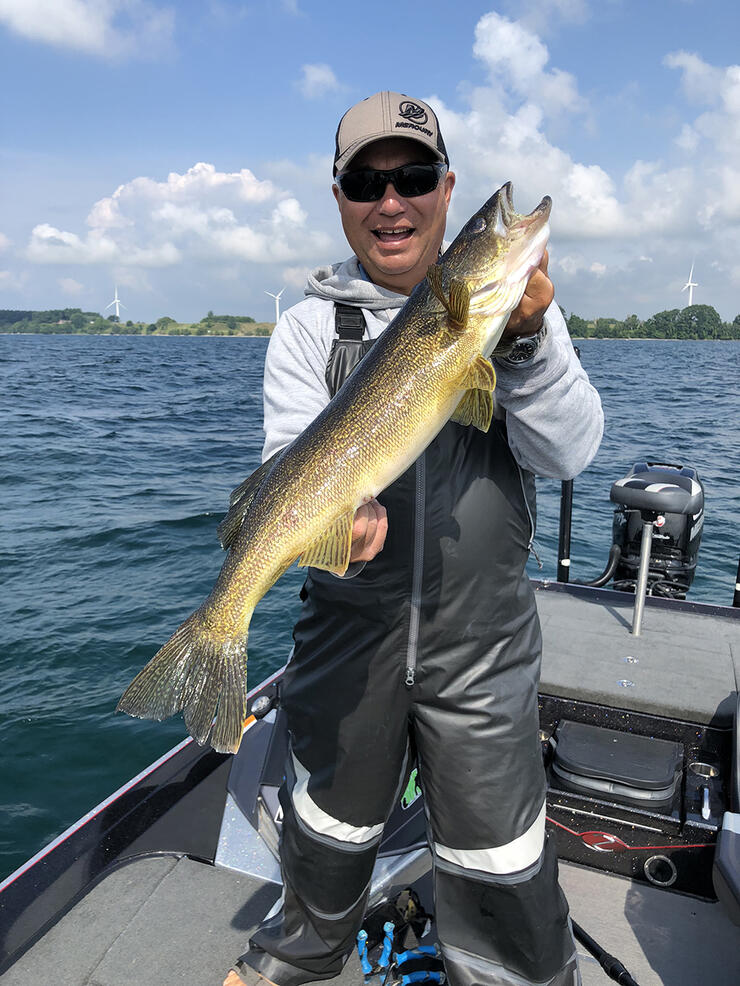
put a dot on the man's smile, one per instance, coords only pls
(393, 234)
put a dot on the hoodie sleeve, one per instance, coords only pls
(554, 418)
(295, 390)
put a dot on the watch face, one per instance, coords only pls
(523, 350)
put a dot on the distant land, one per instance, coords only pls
(73, 321)
(694, 322)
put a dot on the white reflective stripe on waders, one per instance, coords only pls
(319, 820)
(524, 851)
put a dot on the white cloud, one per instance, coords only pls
(317, 81)
(688, 139)
(203, 215)
(295, 276)
(70, 286)
(11, 280)
(516, 58)
(4, 242)
(504, 134)
(543, 15)
(110, 28)
(573, 264)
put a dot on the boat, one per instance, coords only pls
(640, 731)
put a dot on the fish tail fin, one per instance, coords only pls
(203, 674)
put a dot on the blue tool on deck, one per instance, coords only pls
(385, 956)
(362, 952)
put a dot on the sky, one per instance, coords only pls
(182, 151)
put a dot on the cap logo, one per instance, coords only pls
(413, 112)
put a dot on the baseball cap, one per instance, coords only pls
(387, 114)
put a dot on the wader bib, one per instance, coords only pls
(435, 642)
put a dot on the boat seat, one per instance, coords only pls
(659, 489)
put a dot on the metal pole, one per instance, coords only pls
(736, 595)
(642, 576)
(566, 513)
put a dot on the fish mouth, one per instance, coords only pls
(525, 237)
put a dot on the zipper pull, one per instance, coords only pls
(410, 677)
(534, 552)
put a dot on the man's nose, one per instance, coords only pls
(391, 201)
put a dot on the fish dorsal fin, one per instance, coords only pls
(457, 304)
(332, 550)
(476, 406)
(241, 500)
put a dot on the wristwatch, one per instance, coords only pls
(525, 348)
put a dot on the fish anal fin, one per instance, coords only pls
(457, 303)
(241, 500)
(332, 550)
(480, 375)
(475, 408)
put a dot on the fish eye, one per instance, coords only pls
(477, 225)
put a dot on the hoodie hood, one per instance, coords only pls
(348, 284)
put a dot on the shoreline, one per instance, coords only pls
(255, 335)
(144, 335)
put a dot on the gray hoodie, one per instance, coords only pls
(553, 415)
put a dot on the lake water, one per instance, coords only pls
(117, 456)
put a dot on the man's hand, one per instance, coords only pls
(368, 531)
(526, 319)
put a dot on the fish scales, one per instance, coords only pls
(391, 407)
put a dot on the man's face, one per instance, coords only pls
(395, 238)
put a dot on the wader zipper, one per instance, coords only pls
(530, 546)
(417, 571)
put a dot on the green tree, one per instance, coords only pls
(577, 326)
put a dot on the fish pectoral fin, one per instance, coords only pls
(457, 304)
(480, 375)
(332, 550)
(241, 500)
(475, 408)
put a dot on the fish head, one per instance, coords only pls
(495, 253)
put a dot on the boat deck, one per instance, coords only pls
(685, 664)
(164, 920)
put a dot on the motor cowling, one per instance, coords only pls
(673, 496)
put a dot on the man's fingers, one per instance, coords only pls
(369, 530)
(526, 318)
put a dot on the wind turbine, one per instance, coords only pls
(690, 285)
(277, 302)
(118, 303)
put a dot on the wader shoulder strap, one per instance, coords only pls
(348, 348)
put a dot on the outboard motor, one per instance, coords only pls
(675, 496)
(655, 493)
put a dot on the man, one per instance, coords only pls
(430, 644)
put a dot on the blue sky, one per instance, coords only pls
(183, 150)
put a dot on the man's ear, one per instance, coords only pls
(449, 185)
(335, 190)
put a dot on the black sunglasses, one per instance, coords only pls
(410, 180)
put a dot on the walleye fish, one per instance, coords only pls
(428, 366)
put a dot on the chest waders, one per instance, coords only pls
(434, 645)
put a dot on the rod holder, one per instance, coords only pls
(642, 574)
